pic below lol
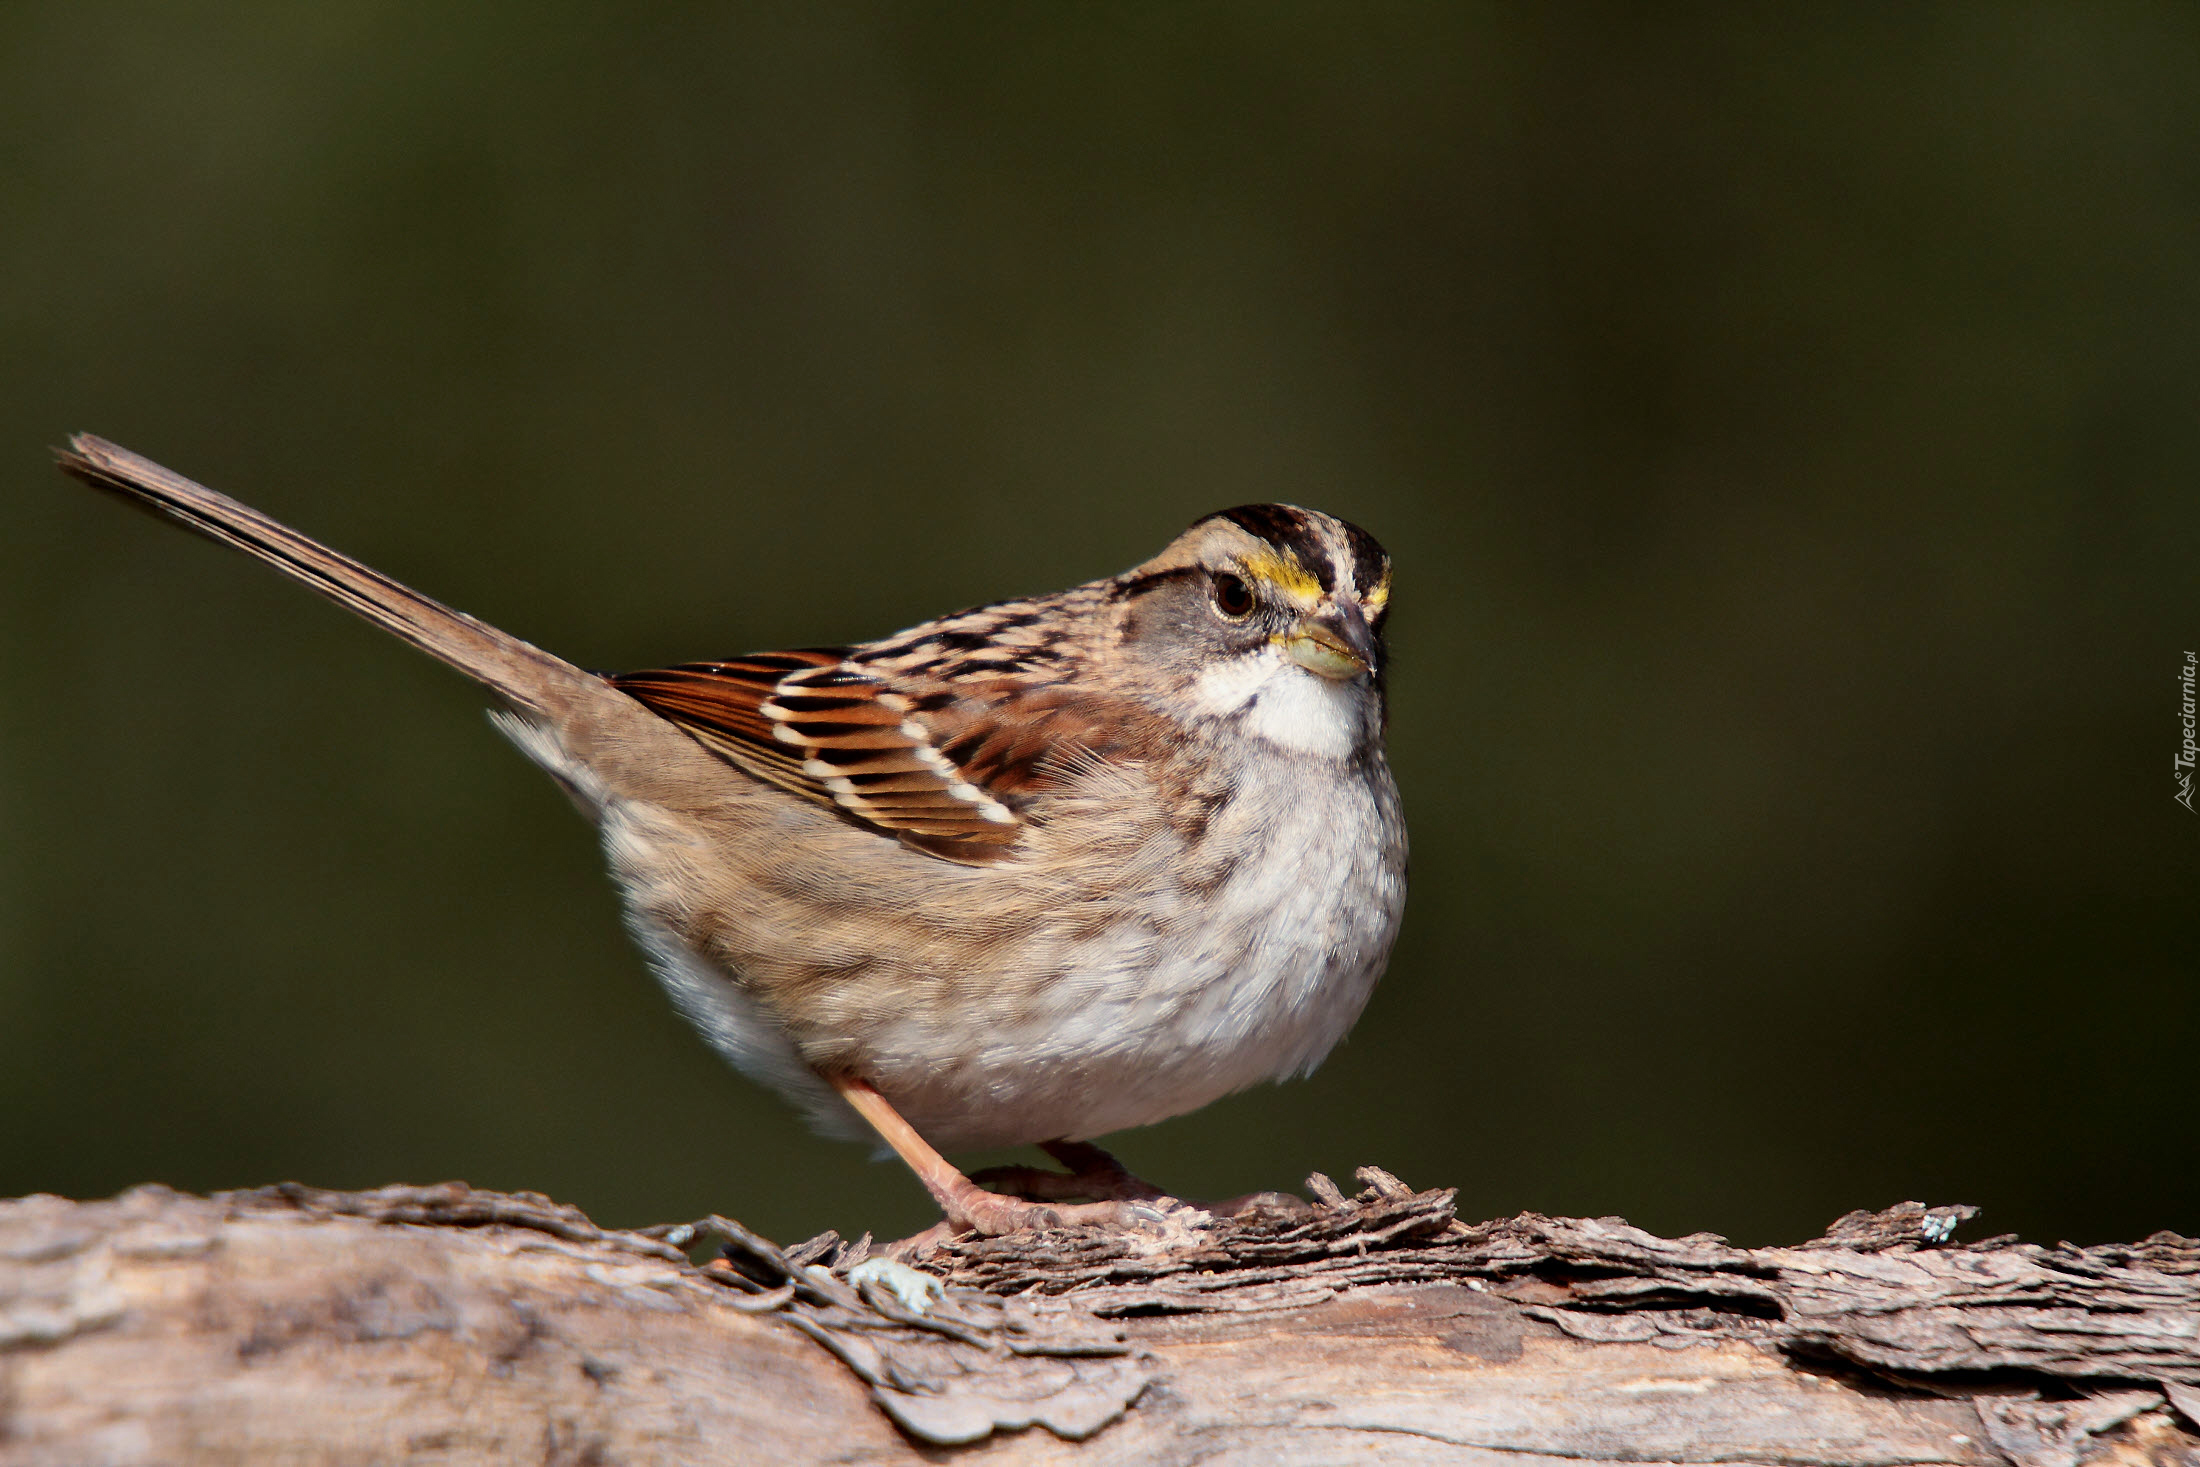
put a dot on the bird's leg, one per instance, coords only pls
(1092, 1174)
(1034, 1183)
(1099, 1175)
(967, 1205)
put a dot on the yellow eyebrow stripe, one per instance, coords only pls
(1289, 575)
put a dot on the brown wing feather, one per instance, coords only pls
(717, 703)
(813, 725)
(863, 740)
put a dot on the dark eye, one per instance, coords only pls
(1233, 598)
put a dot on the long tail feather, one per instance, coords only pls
(521, 673)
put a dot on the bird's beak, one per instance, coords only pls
(1337, 643)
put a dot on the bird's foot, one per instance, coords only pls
(1093, 1176)
(1167, 1221)
(972, 1208)
(1118, 1199)
(1103, 1177)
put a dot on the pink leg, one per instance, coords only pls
(971, 1207)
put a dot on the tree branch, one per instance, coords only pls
(457, 1326)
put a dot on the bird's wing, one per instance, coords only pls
(949, 766)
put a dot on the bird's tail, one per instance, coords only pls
(524, 675)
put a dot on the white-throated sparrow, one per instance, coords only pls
(1033, 872)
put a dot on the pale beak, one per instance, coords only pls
(1338, 644)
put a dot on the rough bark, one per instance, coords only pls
(441, 1324)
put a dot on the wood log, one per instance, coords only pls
(446, 1325)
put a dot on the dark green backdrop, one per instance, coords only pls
(1786, 429)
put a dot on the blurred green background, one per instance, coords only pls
(1785, 427)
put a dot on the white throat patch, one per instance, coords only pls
(1284, 703)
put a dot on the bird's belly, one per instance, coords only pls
(1197, 991)
(1119, 1054)
(1173, 978)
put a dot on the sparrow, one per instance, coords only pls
(1026, 874)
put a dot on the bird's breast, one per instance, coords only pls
(1181, 968)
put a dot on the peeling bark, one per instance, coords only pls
(448, 1325)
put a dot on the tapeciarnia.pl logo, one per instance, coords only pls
(2186, 750)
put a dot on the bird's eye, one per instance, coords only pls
(1233, 598)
